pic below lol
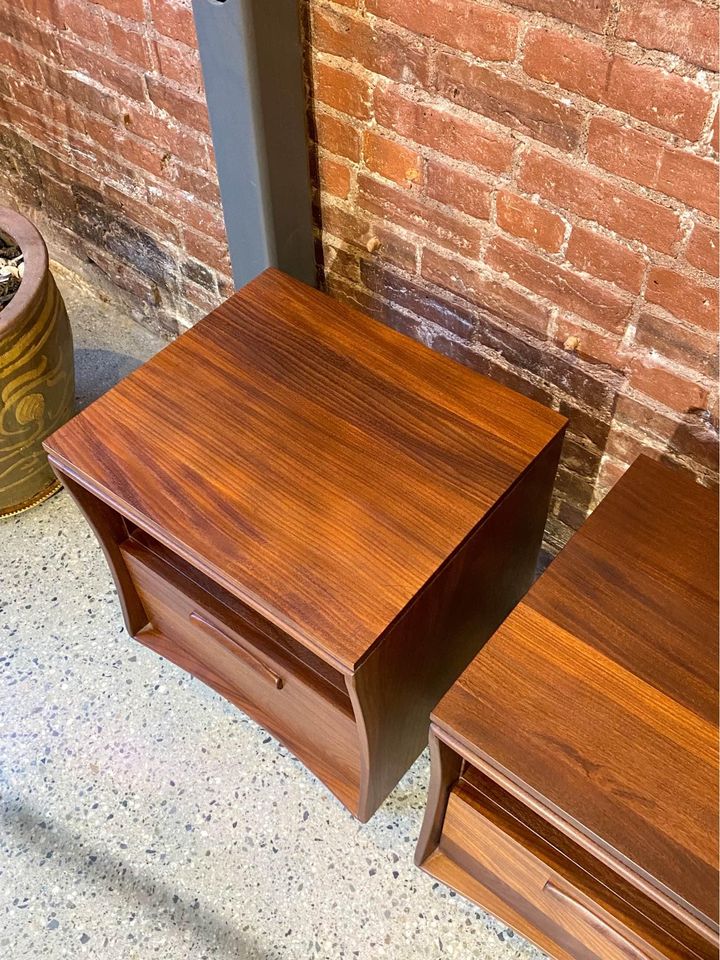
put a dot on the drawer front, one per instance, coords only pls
(495, 860)
(190, 627)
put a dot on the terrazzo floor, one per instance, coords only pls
(144, 816)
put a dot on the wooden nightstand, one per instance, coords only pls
(574, 787)
(317, 516)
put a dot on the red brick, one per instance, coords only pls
(658, 97)
(358, 231)
(180, 64)
(624, 151)
(593, 198)
(483, 291)
(334, 176)
(143, 213)
(588, 344)
(458, 189)
(130, 9)
(671, 389)
(83, 19)
(672, 341)
(702, 251)
(592, 14)
(677, 26)
(480, 30)
(692, 179)
(391, 160)
(683, 297)
(337, 136)
(442, 130)
(129, 46)
(406, 210)
(522, 218)
(379, 51)
(210, 252)
(508, 102)
(110, 73)
(182, 142)
(342, 90)
(572, 63)
(715, 137)
(606, 259)
(563, 287)
(21, 61)
(82, 92)
(172, 18)
(187, 110)
(194, 181)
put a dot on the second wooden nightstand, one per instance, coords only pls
(317, 516)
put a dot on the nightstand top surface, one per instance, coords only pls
(317, 464)
(598, 695)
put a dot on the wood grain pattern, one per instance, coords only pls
(611, 732)
(368, 509)
(315, 463)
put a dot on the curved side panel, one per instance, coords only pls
(445, 767)
(109, 528)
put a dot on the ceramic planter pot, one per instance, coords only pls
(37, 379)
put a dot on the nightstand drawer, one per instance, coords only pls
(248, 666)
(553, 893)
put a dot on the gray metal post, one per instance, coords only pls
(251, 60)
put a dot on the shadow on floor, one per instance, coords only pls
(96, 370)
(139, 888)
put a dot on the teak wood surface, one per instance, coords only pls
(373, 510)
(595, 705)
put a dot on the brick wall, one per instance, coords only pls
(104, 141)
(530, 187)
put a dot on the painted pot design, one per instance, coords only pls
(37, 378)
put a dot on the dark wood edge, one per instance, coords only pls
(704, 926)
(109, 528)
(445, 768)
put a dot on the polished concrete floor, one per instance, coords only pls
(143, 816)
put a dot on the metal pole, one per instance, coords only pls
(251, 59)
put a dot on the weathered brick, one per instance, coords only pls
(606, 259)
(441, 130)
(358, 230)
(392, 160)
(674, 342)
(571, 63)
(187, 144)
(508, 102)
(171, 18)
(592, 14)
(692, 179)
(483, 31)
(522, 218)
(185, 109)
(677, 26)
(336, 136)
(334, 176)
(342, 90)
(484, 291)
(703, 251)
(405, 59)
(458, 189)
(683, 297)
(407, 210)
(560, 285)
(669, 388)
(179, 64)
(83, 19)
(594, 198)
(207, 250)
(592, 345)
(624, 151)
(660, 98)
(110, 73)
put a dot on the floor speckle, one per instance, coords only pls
(142, 815)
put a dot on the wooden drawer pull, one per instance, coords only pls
(621, 942)
(254, 662)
